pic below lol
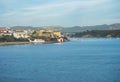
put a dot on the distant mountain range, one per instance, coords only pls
(24, 28)
(73, 29)
(54, 28)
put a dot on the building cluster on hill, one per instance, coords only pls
(47, 35)
(15, 33)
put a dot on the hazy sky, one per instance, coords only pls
(59, 12)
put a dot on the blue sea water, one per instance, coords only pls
(80, 60)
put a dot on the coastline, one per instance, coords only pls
(22, 43)
(13, 43)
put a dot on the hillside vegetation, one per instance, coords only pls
(98, 33)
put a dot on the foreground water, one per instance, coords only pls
(80, 60)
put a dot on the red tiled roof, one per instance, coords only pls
(3, 29)
(19, 30)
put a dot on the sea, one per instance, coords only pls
(79, 60)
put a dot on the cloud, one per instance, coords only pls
(55, 11)
(62, 8)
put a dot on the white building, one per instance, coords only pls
(20, 34)
(6, 31)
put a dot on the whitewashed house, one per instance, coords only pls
(20, 34)
(6, 31)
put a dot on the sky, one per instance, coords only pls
(58, 12)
